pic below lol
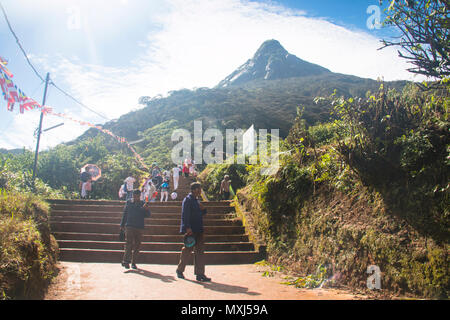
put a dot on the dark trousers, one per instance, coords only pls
(199, 262)
(133, 244)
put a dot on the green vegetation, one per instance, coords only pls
(364, 179)
(311, 281)
(213, 175)
(28, 251)
(369, 187)
(266, 104)
(16, 174)
(58, 173)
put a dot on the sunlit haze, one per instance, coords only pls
(107, 54)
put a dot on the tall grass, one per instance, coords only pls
(28, 251)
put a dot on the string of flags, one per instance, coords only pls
(12, 94)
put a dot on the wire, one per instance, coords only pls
(77, 101)
(37, 73)
(20, 46)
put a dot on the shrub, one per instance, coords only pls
(29, 251)
(369, 189)
(213, 175)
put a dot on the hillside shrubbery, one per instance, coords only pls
(60, 169)
(370, 188)
(212, 177)
(398, 144)
(265, 104)
(28, 251)
(16, 176)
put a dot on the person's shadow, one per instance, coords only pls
(226, 288)
(150, 274)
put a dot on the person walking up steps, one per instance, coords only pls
(225, 188)
(192, 225)
(133, 223)
(185, 170)
(165, 190)
(149, 190)
(176, 177)
(129, 184)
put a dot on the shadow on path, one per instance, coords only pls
(226, 288)
(150, 274)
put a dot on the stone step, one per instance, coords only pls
(122, 203)
(149, 221)
(178, 238)
(154, 230)
(158, 257)
(154, 246)
(156, 215)
(88, 231)
(153, 208)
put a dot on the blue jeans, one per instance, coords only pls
(129, 195)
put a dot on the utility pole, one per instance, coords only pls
(40, 130)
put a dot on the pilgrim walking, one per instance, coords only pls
(133, 222)
(192, 226)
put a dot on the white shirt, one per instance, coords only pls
(176, 172)
(130, 181)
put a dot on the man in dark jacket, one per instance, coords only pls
(192, 224)
(133, 222)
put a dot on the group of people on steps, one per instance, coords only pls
(192, 213)
(137, 208)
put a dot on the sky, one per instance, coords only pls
(108, 53)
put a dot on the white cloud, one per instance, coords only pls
(21, 132)
(200, 42)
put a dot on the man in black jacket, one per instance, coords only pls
(133, 222)
(192, 224)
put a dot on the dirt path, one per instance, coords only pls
(106, 281)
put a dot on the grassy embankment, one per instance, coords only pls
(28, 252)
(368, 188)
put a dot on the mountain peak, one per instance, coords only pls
(270, 47)
(270, 62)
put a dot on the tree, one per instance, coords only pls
(425, 39)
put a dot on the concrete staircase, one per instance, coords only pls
(87, 231)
